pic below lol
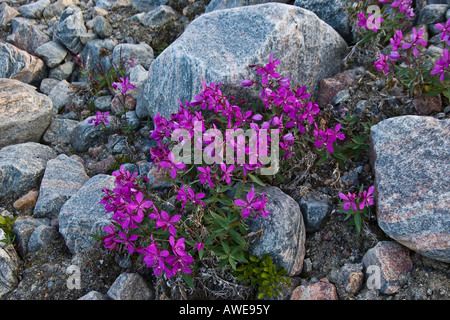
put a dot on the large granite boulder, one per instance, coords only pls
(220, 45)
(411, 161)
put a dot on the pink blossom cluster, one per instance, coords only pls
(357, 201)
(129, 208)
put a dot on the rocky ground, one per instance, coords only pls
(335, 257)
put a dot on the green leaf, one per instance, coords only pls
(188, 279)
(226, 247)
(256, 179)
(358, 222)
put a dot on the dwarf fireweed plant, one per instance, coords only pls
(406, 62)
(214, 195)
(356, 205)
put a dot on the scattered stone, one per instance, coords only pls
(322, 290)
(426, 105)
(102, 27)
(394, 264)
(63, 177)
(228, 4)
(329, 87)
(159, 16)
(23, 228)
(7, 14)
(9, 266)
(53, 53)
(61, 95)
(140, 53)
(350, 277)
(26, 202)
(26, 36)
(432, 13)
(413, 202)
(70, 28)
(130, 286)
(55, 9)
(34, 10)
(86, 135)
(41, 237)
(94, 295)
(315, 207)
(20, 65)
(82, 216)
(92, 56)
(63, 71)
(103, 103)
(332, 12)
(294, 35)
(283, 232)
(341, 97)
(22, 166)
(59, 131)
(24, 113)
(147, 5)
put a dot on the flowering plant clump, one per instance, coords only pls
(213, 198)
(406, 62)
(356, 205)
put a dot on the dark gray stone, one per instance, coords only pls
(82, 216)
(333, 12)
(70, 28)
(63, 177)
(7, 13)
(147, 5)
(41, 237)
(220, 45)
(94, 295)
(86, 135)
(141, 53)
(26, 36)
(432, 13)
(9, 266)
(53, 53)
(22, 166)
(63, 71)
(314, 207)
(59, 131)
(283, 231)
(102, 27)
(93, 60)
(159, 16)
(410, 158)
(23, 229)
(130, 286)
(34, 10)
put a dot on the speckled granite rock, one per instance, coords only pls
(411, 161)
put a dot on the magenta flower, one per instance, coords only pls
(154, 258)
(441, 65)
(349, 201)
(110, 239)
(366, 197)
(205, 176)
(404, 6)
(180, 260)
(416, 39)
(227, 172)
(199, 246)
(396, 41)
(100, 118)
(167, 222)
(123, 85)
(139, 205)
(127, 241)
(382, 64)
(171, 165)
(247, 83)
(268, 71)
(444, 29)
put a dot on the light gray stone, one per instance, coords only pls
(130, 286)
(63, 71)
(220, 45)
(147, 5)
(7, 13)
(63, 177)
(26, 36)
(94, 295)
(41, 237)
(23, 229)
(102, 27)
(22, 166)
(53, 53)
(25, 114)
(82, 216)
(61, 95)
(9, 266)
(159, 16)
(140, 53)
(228, 4)
(34, 10)
(59, 131)
(70, 28)
(315, 208)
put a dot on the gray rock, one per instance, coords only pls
(341, 96)
(63, 177)
(432, 13)
(92, 57)
(59, 131)
(26, 36)
(314, 207)
(61, 95)
(41, 237)
(102, 27)
(25, 114)
(63, 71)
(333, 12)
(349, 278)
(283, 236)
(7, 14)
(20, 65)
(22, 166)
(138, 75)
(55, 9)
(159, 16)
(410, 155)
(294, 35)
(362, 106)
(34, 10)
(228, 4)
(47, 85)
(393, 262)
(82, 216)
(23, 229)
(141, 53)
(53, 53)
(86, 135)
(9, 266)
(130, 286)
(147, 5)
(87, 37)
(103, 103)
(70, 27)
(94, 295)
